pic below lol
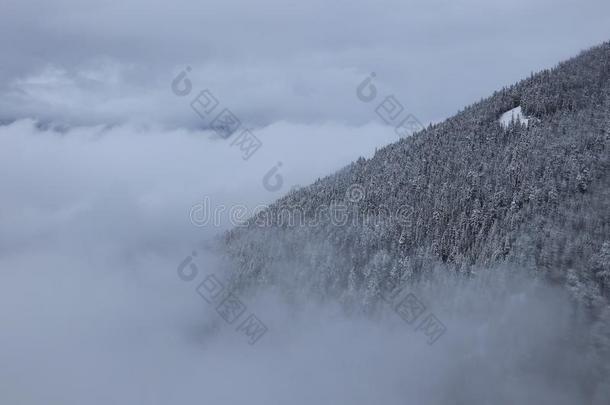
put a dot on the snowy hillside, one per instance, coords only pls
(460, 197)
(514, 115)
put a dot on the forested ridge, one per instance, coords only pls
(477, 194)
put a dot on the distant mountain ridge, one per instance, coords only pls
(478, 194)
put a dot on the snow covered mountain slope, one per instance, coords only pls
(462, 194)
(514, 115)
(462, 197)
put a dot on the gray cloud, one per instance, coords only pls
(95, 62)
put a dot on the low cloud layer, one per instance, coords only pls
(95, 223)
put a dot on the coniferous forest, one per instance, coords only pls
(470, 194)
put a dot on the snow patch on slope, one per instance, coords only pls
(516, 114)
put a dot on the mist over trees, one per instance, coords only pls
(478, 195)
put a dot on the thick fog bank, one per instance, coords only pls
(94, 224)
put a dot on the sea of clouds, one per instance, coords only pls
(95, 222)
(101, 164)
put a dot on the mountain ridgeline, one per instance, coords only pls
(462, 195)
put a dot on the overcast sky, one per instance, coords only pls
(83, 62)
